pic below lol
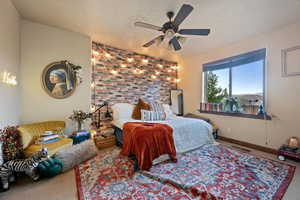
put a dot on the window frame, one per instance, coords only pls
(229, 63)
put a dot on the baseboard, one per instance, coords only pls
(249, 145)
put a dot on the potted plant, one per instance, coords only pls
(79, 117)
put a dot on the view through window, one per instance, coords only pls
(235, 84)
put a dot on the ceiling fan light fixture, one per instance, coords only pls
(171, 30)
(169, 33)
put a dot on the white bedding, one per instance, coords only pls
(188, 133)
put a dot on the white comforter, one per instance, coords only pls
(188, 133)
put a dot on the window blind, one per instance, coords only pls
(235, 60)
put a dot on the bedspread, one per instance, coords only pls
(188, 134)
(148, 141)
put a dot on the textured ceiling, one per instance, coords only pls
(111, 21)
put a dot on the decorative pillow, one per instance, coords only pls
(122, 111)
(136, 114)
(168, 111)
(149, 115)
(76, 154)
(11, 143)
(158, 107)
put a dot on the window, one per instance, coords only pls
(235, 85)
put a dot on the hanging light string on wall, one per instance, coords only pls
(136, 70)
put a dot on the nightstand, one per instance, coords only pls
(103, 142)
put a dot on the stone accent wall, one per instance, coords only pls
(122, 76)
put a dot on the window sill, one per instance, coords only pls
(242, 115)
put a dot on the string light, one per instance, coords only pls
(95, 53)
(93, 84)
(153, 77)
(107, 55)
(177, 80)
(114, 72)
(123, 65)
(160, 66)
(145, 61)
(130, 59)
(169, 70)
(175, 67)
(93, 60)
(93, 108)
(157, 72)
(138, 71)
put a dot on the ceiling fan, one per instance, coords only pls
(171, 29)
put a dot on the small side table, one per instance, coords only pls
(286, 152)
(105, 142)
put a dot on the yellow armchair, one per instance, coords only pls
(31, 132)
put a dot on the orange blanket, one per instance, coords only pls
(148, 141)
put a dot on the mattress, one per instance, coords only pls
(188, 133)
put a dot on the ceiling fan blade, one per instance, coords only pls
(194, 31)
(149, 26)
(158, 40)
(184, 11)
(175, 43)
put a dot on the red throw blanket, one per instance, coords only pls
(148, 141)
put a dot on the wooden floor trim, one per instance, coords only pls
(248, 145)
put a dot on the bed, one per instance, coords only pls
(188, 133)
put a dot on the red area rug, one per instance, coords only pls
(226, 173)
(110, 176)
(206, 173)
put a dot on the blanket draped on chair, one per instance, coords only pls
(148, 141)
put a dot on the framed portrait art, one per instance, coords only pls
(60, 79)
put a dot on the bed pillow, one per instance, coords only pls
(149, 115)
(122, 111)
(158, 107)
(168, 111)
(141, 105)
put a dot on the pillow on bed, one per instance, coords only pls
(149, 115)
(141, 105)
(122, 111)
(158, 107)
(168, 111)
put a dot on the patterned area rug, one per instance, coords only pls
(217, 170)
(110, 176)
(226, 173)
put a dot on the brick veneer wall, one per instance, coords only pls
(127, 86)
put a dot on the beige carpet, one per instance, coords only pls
(63, 187)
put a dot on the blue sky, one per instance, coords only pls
(246, 79)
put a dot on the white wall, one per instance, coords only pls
(282, 94)
(9, 61)
(41, 45)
